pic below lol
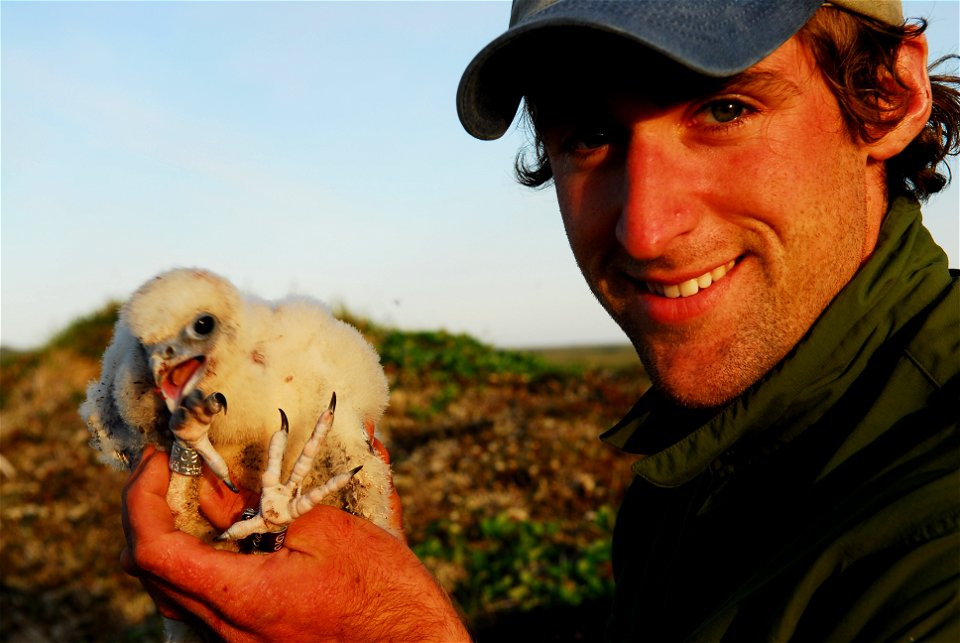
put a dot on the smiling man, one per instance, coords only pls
(700, 212)
(740, 183)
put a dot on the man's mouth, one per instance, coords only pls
(690, 287)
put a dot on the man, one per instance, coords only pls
(738, 182)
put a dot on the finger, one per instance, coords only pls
(147, 518)
(144, 498)
(396, 514)
(396, 506)
(185, 577)
(146, 487)
(375, 442)
(148, 460)
(221, 506)
(157, 553)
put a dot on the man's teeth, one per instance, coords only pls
(691, 286)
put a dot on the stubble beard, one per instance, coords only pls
(721, 377)
(764, 336)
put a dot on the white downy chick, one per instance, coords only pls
(193, 364)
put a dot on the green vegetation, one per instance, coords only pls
(445, 357)
(442, 357)
(613, 356)
(446, 363)
(510, 564)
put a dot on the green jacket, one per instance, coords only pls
(823, 503)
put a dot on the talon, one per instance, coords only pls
(333, 402)
(284, 425)
(214, 403)
(220, 399)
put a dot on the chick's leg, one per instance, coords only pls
(281, 504)
(190, 425)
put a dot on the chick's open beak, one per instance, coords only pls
(178, 381)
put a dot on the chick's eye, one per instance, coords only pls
(204, 325)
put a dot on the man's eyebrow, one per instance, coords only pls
(763, 82)
(551, 104)
(753, 80)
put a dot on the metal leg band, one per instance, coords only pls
(267, 543)
(184, 460)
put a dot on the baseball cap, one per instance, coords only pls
(712, 37)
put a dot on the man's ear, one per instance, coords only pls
(913, 92)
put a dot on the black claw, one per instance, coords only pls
(284, 425)
(333, 402)
(353, 472)
(213, 403)
(231, 486)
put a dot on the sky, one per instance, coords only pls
(307, 148)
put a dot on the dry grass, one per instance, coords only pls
(503, 447)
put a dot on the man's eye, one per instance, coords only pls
(725, 111)
(588, 138)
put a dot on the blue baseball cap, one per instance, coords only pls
(716, 38)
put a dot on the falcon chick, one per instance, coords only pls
(198, 369)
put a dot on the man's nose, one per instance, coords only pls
(657, 207)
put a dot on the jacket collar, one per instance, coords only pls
(905, 272)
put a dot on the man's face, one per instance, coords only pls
(714, 220)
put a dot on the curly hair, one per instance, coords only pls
(855, 55)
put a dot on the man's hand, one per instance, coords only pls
(338, 577)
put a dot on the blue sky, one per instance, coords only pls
(306, 147)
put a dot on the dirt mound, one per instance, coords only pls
(508, 495)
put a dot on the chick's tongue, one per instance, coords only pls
(175, 380)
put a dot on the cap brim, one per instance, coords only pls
(710, 38)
